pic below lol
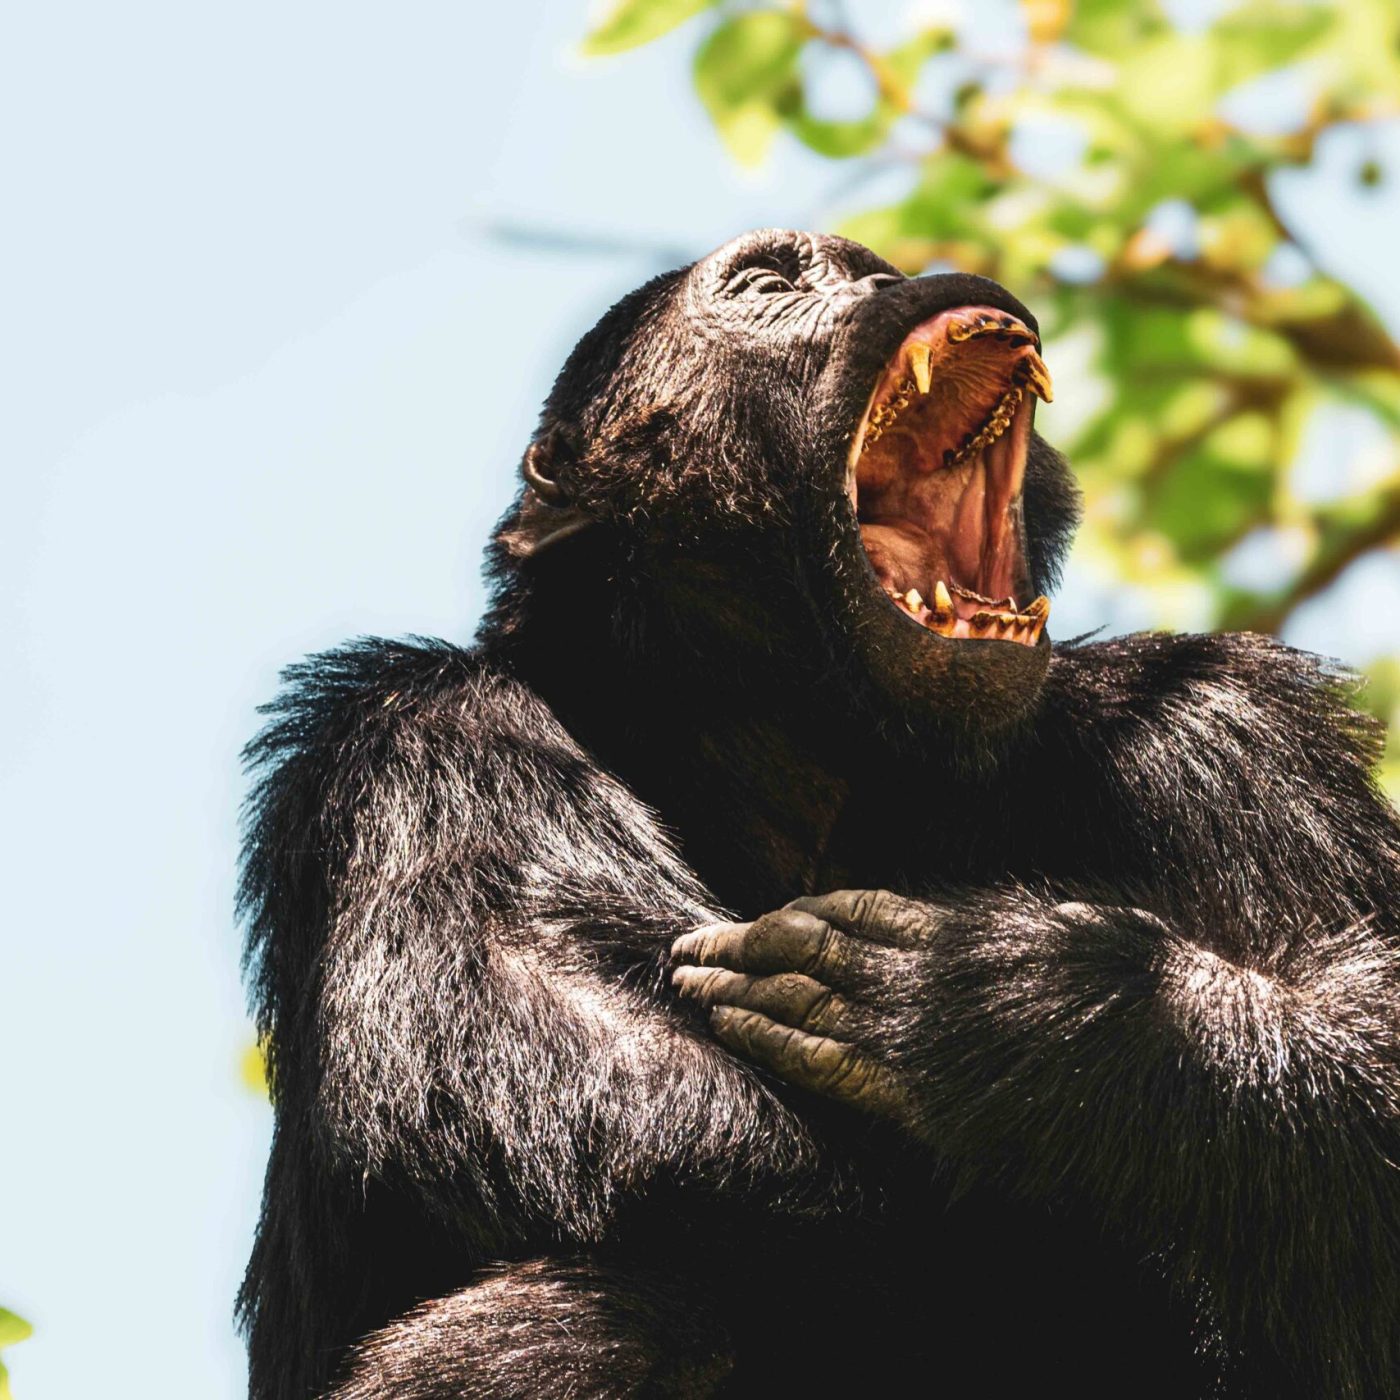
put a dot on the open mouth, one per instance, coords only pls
(935, 474)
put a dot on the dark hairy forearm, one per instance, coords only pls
(459, 926)
(1241, 1125)
(501, 1063)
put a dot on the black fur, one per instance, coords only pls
(1155, 1039)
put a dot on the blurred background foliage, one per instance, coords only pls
(1236, 407)
(12, 1329)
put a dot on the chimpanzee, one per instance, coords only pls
(764, 965)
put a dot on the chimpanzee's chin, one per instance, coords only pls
(921, 684)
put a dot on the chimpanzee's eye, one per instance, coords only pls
(759, 281)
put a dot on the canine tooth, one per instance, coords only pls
(913, 600)
(919, 356)
(1039, 377)
(1039, 610)
(942, 599)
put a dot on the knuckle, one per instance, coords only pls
(876, 908)
(829, 1063)
(746, 1029)
(787, 1045)
(851, 1077)
(827, 955)
(758, 945)
(710, 984)
(823, 1012)
(766, 931)
(789, 986)
(864, 908)
(793, 925)
(789, 938)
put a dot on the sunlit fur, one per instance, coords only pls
(1153, 1034)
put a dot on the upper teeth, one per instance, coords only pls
(1030, 373)
(990, 431)
(883, 416)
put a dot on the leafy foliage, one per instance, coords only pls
(13, 1328)
(252, 1069)
(1215, 337)
(630, 23)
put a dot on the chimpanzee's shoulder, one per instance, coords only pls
(380, 691)
(1164, 703)
(1225, 675)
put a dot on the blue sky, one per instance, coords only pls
(269, 368)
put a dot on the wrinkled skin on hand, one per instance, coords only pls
(796, 990)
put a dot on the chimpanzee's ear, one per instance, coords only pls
(547, 511)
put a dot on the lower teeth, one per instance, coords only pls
(996, 623)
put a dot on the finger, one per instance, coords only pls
(823, 1066)
(787, 940)
(790, 998)
(878, 915)
(712, 945)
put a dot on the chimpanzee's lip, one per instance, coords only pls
(935, 469)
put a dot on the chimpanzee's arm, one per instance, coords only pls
(460, 927)
(1206, 1061)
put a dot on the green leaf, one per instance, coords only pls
(841, 140)
(252, 1068)
(1108, 27)
(631, 23)
(899, 68)
(1215, 494)
(1366, 54)
(746, 74)
(904, 61)
(13, 1328)
(949, 200)
(1263, 36)
(1168, 83)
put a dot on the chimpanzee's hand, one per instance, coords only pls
(803, 990)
